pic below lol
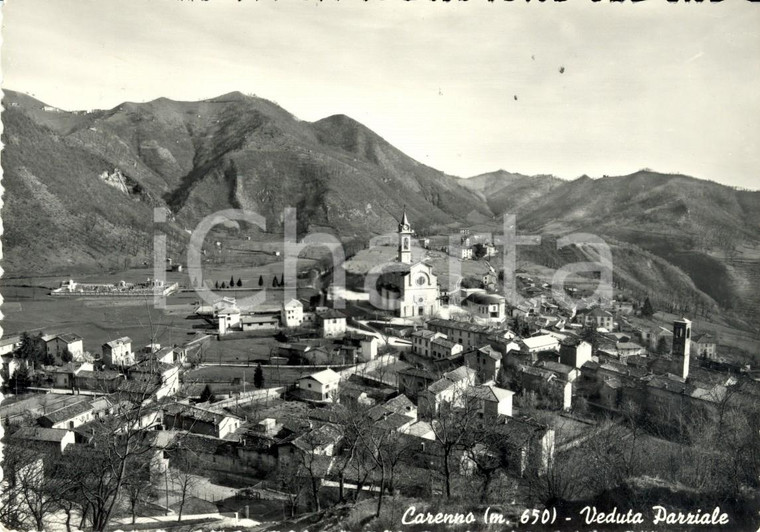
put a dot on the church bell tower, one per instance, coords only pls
(405, 240)
(682, 346)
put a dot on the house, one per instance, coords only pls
(574, 353)
(486, 361)
(199, 420)
(401, 405)
(118, 353)
(598, 318)
(65, 376)
(355, 397)
(366, 345)
(441, 348)
(628, 349)
(168, 355)
(547, 384)
(442, 391)
(563, 371)
(68, 417)
(531, 444)
(448, 389)
(470, 335)
(491, 401)
(292, 313)
(321, 386)
(228, 319)
(331, 323)
(421, 341)
(9, 345)
(411, 381)
(704, 346)
(105, 381)
(57, 345)
(47, 439)
(151, 372)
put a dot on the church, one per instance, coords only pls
(410, 289)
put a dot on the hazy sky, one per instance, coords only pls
(673, 87)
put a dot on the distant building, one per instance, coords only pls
(292, 313)
(704, 346)
(161, 379)
(57, 345)
(491, 401)
(55, 440)
(331, 323)
(321, 386)
(229, 319)
(575, 354)
(470, 335)
(412, 381)
(263, 322)
(597, 318)
(486, 361)
(68, 417)
(10, 344)
(441, 348)
(421, 341)
(448, 389)
(118, 352)
(199, 420)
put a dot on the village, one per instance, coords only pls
(435, 392)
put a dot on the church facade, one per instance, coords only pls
(410, 289)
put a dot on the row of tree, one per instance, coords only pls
(276, 282)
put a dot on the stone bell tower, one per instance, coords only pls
(405, 240)
(682, 346)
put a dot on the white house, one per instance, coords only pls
(491, 401)
(118, 352)
(292, 313)
(421, 341)
(598, 318)
(68, 417)
(57, 345)
(320, 386)
(229, 319)
(332, 323)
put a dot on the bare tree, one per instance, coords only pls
(135, 482)
(184, 459)
(102, 466)
(36, 481)
(452, 425)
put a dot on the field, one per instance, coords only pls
(28, 307)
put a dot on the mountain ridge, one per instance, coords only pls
(238, 151)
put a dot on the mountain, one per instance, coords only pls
(81, 186)
(81, 189)
(507, 192)
(709, 231)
